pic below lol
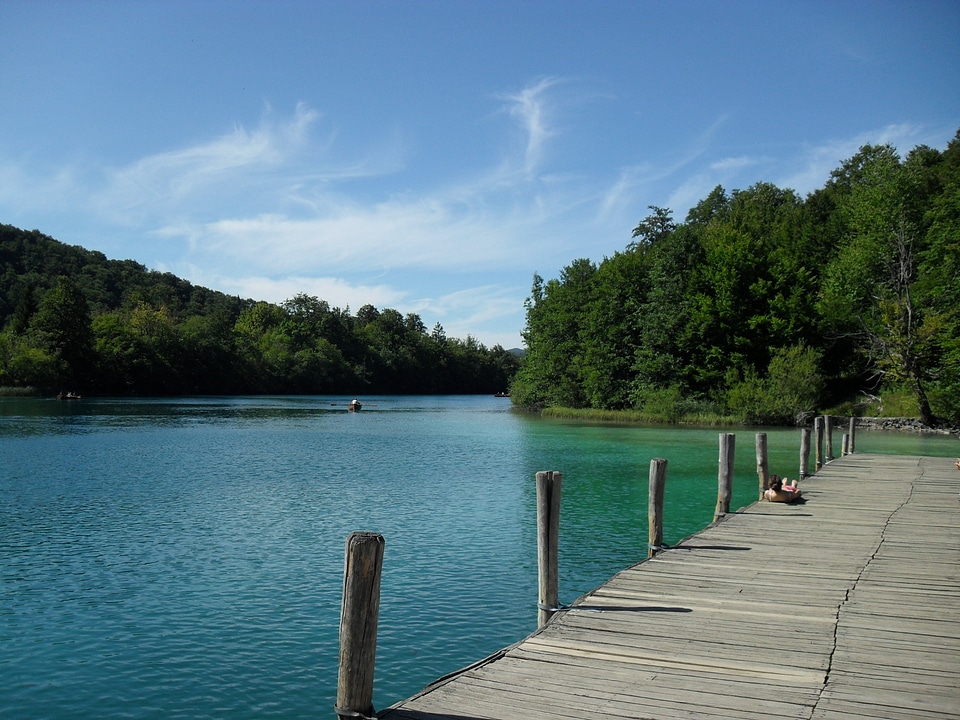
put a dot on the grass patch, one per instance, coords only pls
(637, 417)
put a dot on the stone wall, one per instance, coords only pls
(900, 424)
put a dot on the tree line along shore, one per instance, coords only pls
(762, 306)
(73, 320)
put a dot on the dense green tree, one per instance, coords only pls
(938, 285)
(26, 307)
(868, 291)
(792, 385)
(62, 327)
(609, 330)
(552, 372)
(663, 356)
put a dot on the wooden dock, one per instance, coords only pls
(846, 606)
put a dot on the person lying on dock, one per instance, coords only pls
(778, 492)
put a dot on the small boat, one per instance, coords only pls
(354, 406)
(502, 395)
(69, 396)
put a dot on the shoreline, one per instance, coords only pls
(628, 417)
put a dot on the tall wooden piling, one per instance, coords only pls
(818, 440)
(725, 477)
(362, 567)
(845, 445)
(549, 484)
(763, 467)
(804, 452)
(828, 433)
(658, 476)
(852, 432)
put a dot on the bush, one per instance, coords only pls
(793, 385)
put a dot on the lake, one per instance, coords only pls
(169, 558)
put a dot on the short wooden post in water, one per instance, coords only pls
(828, 432)
(549, 484)
(853, 435)
(804, 452)
(763, 467)
(725, 478)
(845, 445)
(818, 433)
(658, 476)
(362, 567)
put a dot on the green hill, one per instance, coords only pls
(73, 319)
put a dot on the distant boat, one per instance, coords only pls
(354, 406)
(502, 394)
(69, 396)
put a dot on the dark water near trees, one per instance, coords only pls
(184, 558)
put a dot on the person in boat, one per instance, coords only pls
(781, 492)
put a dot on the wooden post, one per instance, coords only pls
(828, 432)
(658, 476)
(763, 468)
(362, 568)
(804, 452)
(845, 445)
(818, 432)
(728, 443)
(853, 435)
(549, 484)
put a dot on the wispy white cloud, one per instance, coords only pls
(648, 179)
(622, 193)
(675, 181)
(338, 291)
(488, 218)
(421, 233)
(170, 179)
(733, 164)
(529, 106)
(479, 311)
(279, 165)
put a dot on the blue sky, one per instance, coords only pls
(431, 156)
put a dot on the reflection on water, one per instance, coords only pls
(185, 556)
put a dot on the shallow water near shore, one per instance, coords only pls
(184, 557)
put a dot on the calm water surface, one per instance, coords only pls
(184, 558)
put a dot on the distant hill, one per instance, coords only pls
(32, 259)
(72, 318)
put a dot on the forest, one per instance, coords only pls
(762, 306)
(73, 320)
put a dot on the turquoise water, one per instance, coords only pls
(184, 558)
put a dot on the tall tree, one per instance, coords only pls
(552, 373)
(868, 289)
(62, 324)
